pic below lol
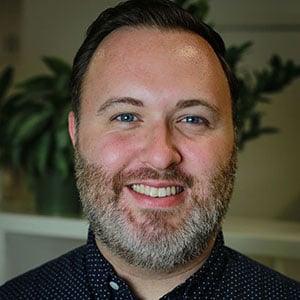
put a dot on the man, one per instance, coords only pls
(153, 127)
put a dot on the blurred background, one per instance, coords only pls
(268, 181)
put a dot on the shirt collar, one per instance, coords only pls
(101, 274)
(205, 281)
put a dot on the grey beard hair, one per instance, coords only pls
(165, 247)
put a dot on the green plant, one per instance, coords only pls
(33, 120)
(33, 123)
(6, 78)
(256, 86)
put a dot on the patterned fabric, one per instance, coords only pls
(84, 274)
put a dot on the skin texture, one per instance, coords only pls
(156, 110)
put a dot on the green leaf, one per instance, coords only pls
(235, 53)
(13, 125)
(56, 65)
(28, 101)
(6, 78)
(31, 127)
(198, 8)
(36, 83)
(16, 157)
(62, 86)
(268, 130)
(33, 123)
(62, 138)
(61, 164)
(43, 153)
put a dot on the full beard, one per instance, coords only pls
(150, 241)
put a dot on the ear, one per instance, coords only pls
(72, 127)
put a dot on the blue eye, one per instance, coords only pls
(126, 117)
(193, 120)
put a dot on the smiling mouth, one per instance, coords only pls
(156, 192)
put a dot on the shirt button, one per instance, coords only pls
(114, 285)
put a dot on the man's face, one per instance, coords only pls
(155, 153)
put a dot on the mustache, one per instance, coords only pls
(121, 178)
(171, 174)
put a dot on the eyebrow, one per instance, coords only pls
(196, 102)
(123, 100)
(181, 104)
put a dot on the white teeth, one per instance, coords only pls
(156, 192)
(162, 192)
(153, 192)
(173, 190)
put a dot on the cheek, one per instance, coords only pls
(202, 159)
(113, 152)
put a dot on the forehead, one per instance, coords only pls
(135, 44)
(165, 61)
(139, 37)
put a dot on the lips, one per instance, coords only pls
(155, 192)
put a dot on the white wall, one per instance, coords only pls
(268, 177)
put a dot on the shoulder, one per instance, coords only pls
(64, 273)
(256, 280)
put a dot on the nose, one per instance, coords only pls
(160, 150)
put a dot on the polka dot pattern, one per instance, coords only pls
(84, 274)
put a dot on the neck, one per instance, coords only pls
(141, 281)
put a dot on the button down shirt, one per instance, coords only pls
(85, 274)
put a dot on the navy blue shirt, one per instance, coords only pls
(85, 274)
